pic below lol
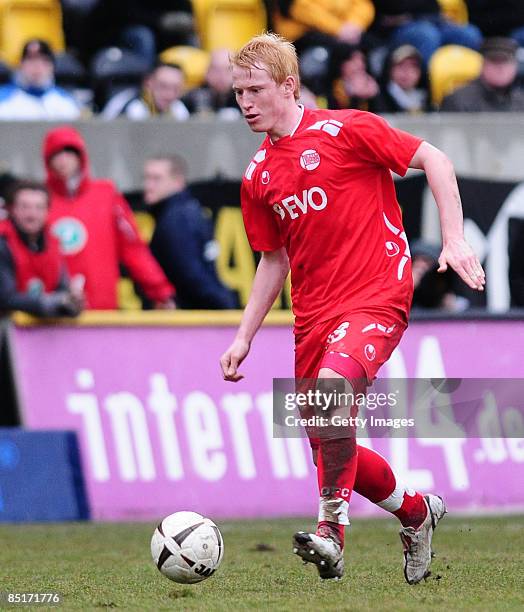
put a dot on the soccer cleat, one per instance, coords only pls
(417, 542)
(324, 552)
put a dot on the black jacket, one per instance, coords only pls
(476, 97)
(184, 247)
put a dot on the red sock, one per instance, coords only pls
(336, 470)
(376, 481)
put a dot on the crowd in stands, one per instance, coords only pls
(137, 60)
(145, 59)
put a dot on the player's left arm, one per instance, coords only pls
(456, 252)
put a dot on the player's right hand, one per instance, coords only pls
(232, 358)
(460, 256)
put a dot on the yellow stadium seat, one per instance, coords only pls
(450, 67)
(193, 61)
(456, 10)
(228, 24)
(21, 20)
(200, 10)
(146, 225)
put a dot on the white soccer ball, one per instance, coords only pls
(187, 547)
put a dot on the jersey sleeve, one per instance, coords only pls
(374, 140)
(260, 221)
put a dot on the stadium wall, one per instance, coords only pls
(159, 430)
(486, 146)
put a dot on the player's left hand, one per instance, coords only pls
(460, 256)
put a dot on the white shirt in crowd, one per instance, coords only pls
(51, 104)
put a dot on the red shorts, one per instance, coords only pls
(367, 337)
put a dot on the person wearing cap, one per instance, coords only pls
(33, 95)
(495, 89)
(401, 85)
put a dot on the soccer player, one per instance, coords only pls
(318, 197)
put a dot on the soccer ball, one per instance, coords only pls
(187, 547)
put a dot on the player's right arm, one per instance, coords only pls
(269, 280)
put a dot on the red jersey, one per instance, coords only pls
(326, 193)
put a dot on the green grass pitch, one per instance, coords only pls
(479, 565)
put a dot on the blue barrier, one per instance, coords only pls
(41, 476)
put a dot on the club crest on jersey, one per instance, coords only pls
(310, 159)
(265, 177)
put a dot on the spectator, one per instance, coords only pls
(216, 96)
(495, 90)
(327, 23)
(33, 95)
(96, 227)
(353, 86)
(421, 24)
(183, 238)
(33, 275)
(401, 87)
(160, 96)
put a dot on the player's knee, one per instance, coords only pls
(330, 381)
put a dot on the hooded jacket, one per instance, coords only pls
(97, 230)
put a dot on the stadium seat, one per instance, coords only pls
(146, 225)
(21, 20)
(193, 61)
(228, 24)
(450, 67)
(114, 69)
(72, 76)
(456, 10)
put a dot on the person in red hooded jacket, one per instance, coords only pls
(95, 226)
